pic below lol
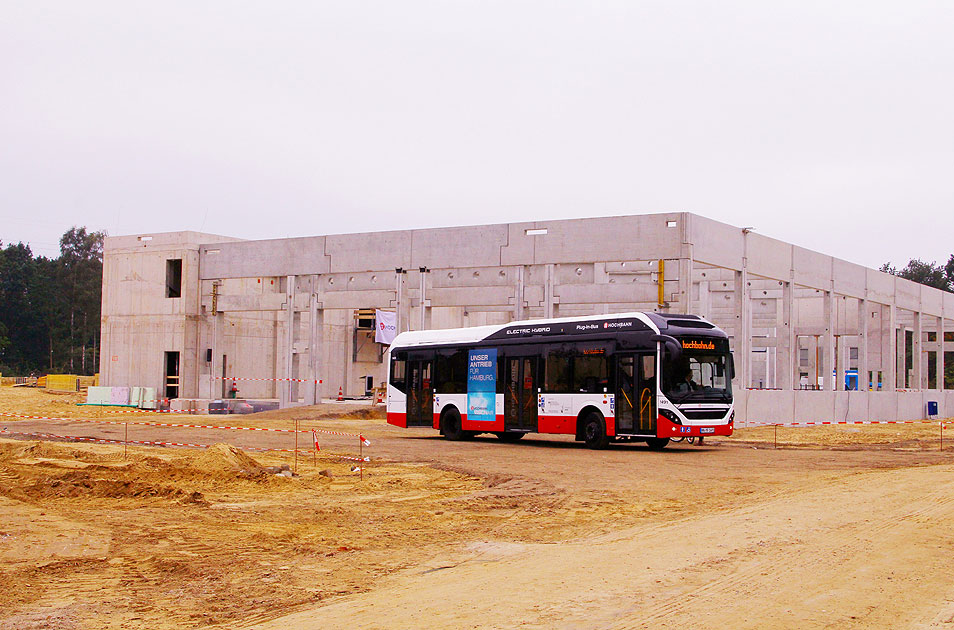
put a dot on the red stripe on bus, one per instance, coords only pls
(667, 429)
(557, 424)
(482, 425)
(397, 419)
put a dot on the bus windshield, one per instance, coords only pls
(699, 376)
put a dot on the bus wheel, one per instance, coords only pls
(594, 431)
(509, 436)
(450, 425)
(657, 444)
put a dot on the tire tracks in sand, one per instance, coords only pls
(868, 550)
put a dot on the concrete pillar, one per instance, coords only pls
(917, 360)
(315, 334)
(705, 300)
(424, 305)
(814, 370)
(399, 298)
(889, 344)
(518, 310)
(939, 358)
(863, 316)
(685, 285)
(785, 342)
(841, 361)
(548, 309)
(901, 368)
(289, 346)
(828, 341)
(743, 335)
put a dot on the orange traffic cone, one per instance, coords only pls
(340, 394)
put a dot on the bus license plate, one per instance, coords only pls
(707, 430)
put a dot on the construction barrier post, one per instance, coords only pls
(942, 434)
(361, 457)
(125, 438)
(296, 446)
(776, 436)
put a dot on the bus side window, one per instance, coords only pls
(398, 374)
(558, 372)
(590, 374)
(648, 364)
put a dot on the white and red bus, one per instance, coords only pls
(626, 377)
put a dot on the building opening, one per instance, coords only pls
(174, 278)
(172, 375)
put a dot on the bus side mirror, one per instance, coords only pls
(731, 366)
(671, 344)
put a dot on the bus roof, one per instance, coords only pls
(480, 333)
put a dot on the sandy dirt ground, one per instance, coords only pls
(839, 527)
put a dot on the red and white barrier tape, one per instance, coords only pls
(185, 426)
(182, 444)
(834, 422)
(274, 380)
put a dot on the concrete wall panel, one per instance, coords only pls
(479, 246)
(880, 286)
(608, 239)
(907, 294)
(716, 243)
(811, 269)
(768, 257)
(849, 279)
(277, 257)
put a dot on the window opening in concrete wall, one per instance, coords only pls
(670, 224)
(948, 379)
(174, 278)
(172, 375)
(535, 231)
(931, 369)
(908, 358)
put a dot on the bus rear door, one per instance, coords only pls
(646, 397)
(420, 396)
(627, 397)
(520, 396)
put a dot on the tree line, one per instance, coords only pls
(50, 307)
(929, 273)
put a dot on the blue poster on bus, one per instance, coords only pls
(482, 384)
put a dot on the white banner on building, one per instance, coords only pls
(385, 326)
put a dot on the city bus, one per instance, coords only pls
(646, 377)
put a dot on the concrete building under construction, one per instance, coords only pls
(187, 313)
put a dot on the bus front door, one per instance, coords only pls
(420, 396)
(520, 398)
(646, 394)
(627, 394)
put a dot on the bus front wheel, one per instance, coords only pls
(657, 444)
(451, 426)
(594, 431)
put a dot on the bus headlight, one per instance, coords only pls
(669, 415)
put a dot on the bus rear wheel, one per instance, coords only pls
(657, 444)
(451, 425)
(594, 431)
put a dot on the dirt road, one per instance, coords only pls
(871, 550)
(839, 529)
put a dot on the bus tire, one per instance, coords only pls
(451, 425)
(509, 436)
(594, 431)
(657, 444)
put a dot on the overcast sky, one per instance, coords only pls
(826, 124)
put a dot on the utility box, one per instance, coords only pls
(932, 409)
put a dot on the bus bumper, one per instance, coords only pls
(665, 428)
